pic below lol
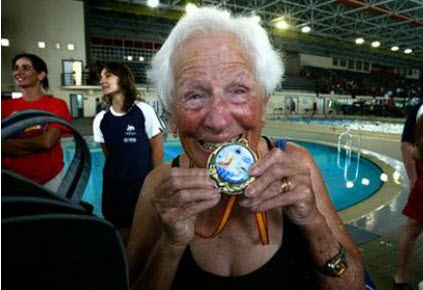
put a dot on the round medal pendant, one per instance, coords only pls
(229, 167)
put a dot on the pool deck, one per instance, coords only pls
(376, 224)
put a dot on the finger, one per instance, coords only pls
(275, 173)
(194, 172)
(275, 155)
(194, 208)
(190, 209)
(275, 189)
(300, 196)
(185, 196)
(253, 200)
(177, 181)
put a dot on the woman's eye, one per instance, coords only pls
(195, 101)
(240, 91)
(194, 97)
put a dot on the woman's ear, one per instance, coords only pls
(266, 102)
(41, 76)
(173, 125)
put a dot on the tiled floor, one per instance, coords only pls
(378, 232)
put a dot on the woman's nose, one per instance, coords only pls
(218, 115)
(17, 70)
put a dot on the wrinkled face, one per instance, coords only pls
(216, 97)
(109, 83)
(25, 75)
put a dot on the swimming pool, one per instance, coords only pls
(364, 125)
(342, 194)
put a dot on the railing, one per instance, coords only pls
(87, 79)
(81, 79)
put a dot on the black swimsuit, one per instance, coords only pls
(289, 268)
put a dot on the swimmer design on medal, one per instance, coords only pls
(229, 166)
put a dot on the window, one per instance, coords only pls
(41, 44)
(366, 66)
(350, 64)
(5, 42)
(343, 63)
(359, 65)
(335, 61)
(71, 46)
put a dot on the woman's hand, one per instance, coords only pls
(181, 195)
(283, 180)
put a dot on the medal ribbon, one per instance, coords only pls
(260, 217)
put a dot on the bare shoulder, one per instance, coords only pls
(298, 152)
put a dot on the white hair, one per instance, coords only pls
(267, 62)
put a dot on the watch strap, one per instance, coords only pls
(337, 265)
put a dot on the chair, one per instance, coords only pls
(51, 240)
(62, 251)
(14, 206)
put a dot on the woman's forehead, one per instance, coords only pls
(105, 71)
(23, 60)
(211, 50)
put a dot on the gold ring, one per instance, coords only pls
(286, 184)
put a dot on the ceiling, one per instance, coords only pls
(335, 24)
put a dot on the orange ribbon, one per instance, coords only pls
(260, 217)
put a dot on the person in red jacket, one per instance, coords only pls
(34, 153)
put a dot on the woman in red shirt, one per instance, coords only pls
(35, 152)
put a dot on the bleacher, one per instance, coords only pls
(297, 83)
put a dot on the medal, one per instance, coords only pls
(229, 166)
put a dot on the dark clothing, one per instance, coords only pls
(408, 134)
(289, 268)
(128, 163)
(98, 108)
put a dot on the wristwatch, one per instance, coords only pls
(336, 266)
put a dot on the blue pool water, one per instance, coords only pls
(364, 125)
(325, 157)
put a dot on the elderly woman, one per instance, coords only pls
(215, 75)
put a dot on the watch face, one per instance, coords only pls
(229, 166)
(338, 265)
(340, 268)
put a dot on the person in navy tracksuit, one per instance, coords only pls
(131, 137)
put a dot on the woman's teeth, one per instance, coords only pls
(212, 146)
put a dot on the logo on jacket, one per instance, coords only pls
(130, 134)
(130, 128)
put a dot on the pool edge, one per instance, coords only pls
(385, 194)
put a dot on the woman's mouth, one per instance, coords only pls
(211, 146)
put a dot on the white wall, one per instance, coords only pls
(327, 62)
(316, 61)
(25, 22)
